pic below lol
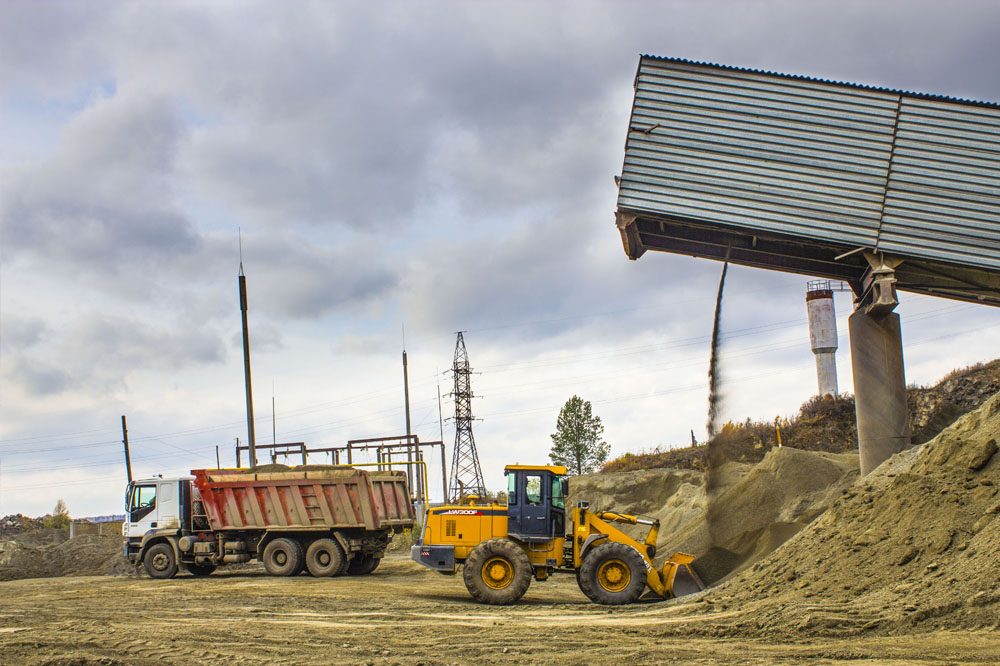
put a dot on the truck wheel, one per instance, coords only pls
(283, 557)
(199, 569)
(325, 557)
(362, 564)
(497, 572)
(159, 561)
(613, 574)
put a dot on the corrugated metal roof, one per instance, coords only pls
(802, 77)
(943, 194)
(822, 162)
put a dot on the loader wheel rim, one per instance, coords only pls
(614, 575)
(497, 573)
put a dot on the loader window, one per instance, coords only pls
(511, 489)
(533, 490)
(558, 499)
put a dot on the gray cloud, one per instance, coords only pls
(38, 377)
(99, 353)
(127, 343)
(289, 276)
(106, 198)
(20, 333)
(29, 63)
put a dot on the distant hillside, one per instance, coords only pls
(828, 424)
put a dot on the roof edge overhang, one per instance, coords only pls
(792, 254)
(800, 77)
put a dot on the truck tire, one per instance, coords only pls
(283, 557)
(613, 574)
(199, 569)
(324, 557)
(497, 572)
(159, 561)
(362, 564)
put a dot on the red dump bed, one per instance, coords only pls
(305, 497)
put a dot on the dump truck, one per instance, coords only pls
(329, 520)
(501, 548)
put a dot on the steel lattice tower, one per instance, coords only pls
(466, 475)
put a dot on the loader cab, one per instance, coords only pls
(536, 502)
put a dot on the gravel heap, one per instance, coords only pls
(913, 546)
(87, 555)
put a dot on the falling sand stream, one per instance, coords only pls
(716, 452)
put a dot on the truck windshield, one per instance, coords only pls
(143, 502)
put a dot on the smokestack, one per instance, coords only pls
(823, 334)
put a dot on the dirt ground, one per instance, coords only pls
(403, 614)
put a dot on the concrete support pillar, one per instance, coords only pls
(879, 387)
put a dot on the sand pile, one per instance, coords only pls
(748, 519)
(676, 497)
(916, 544)
(87, 555)
(754, 509)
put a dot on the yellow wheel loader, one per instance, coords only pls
(501, 548)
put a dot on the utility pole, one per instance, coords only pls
(444, 462)
(246, 363)
(440, 414)
(409, 446)
(466, 475)
(128, 460)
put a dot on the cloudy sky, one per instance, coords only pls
(427, 166)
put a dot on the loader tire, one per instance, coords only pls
(283, 557)
(613, 574)
(362, 564)
(497, 572)
(325, 557)
(159, 561)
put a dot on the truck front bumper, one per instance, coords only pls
(440, 558)
(131, 551)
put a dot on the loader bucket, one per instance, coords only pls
(679, 577)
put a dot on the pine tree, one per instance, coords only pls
(577, 442)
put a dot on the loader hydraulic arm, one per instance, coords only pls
(654, 527)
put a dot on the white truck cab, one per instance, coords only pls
(152, 509)
(152, 504)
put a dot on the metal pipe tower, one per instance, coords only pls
(466, 475)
